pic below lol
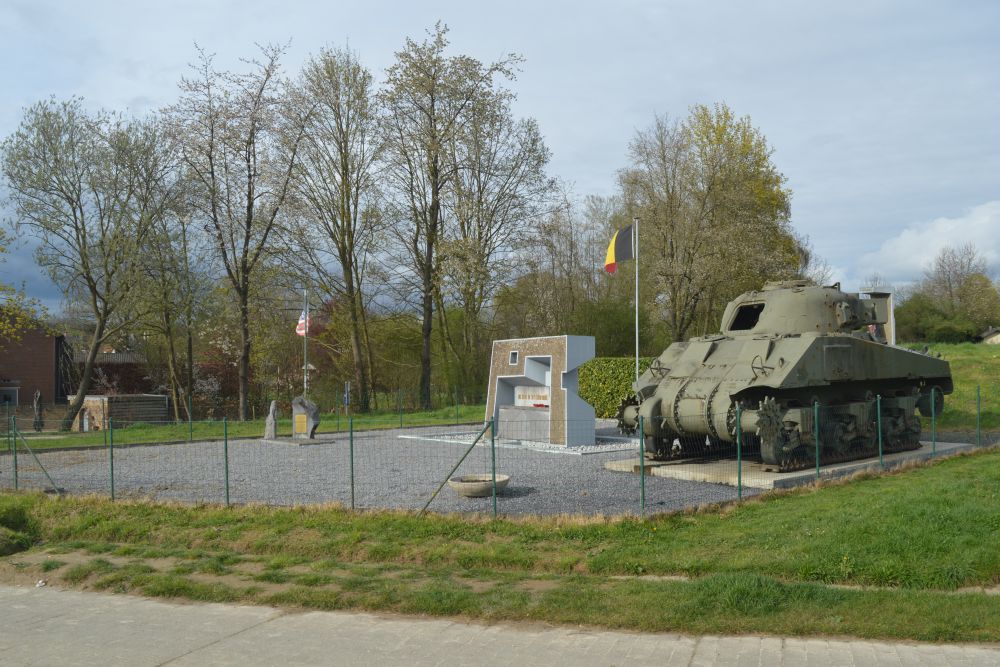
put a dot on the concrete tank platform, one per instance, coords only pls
(755, 475)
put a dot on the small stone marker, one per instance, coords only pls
(39, 421)
(271, 423)
(305, 418)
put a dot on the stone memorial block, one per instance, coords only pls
(305, 418)
(271, 423)
(533, 387)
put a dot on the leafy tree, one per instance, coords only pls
(88, 186)
(427, 100)
(915, 318)
(239, 157)
(18, 312)
(979, 301)
(337, 188)
(714, 212)
(499, 189)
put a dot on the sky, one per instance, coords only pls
(883, 116)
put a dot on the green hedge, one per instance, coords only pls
(605, 381)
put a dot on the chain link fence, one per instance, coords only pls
(400, 461)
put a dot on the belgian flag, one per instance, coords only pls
(619, 249)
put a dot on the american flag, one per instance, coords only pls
(302, 328)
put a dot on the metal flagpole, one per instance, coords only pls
(305, 342)
(635, 259)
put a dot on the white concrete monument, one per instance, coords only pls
(533, 390)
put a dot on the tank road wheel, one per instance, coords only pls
(774, 443)
(623, 426)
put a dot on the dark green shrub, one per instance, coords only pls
(605, 381)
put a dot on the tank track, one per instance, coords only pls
(802, 461)
(787, 454)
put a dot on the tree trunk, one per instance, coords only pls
(86, 377)
(425, 348)
(369, 355)
(175, 393)
(360, 377)
(189, 394)
(244, 365)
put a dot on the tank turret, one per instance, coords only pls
(780, 351)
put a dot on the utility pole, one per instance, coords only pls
(305, 342)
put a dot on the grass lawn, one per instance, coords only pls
(899, 556)
(214, 430)
(971, 365)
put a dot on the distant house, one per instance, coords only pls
(40, 361)
(116, 372)
(991, 336)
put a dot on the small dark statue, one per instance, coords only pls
(39, 419)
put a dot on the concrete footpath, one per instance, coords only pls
(45, 626)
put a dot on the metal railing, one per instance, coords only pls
(373, 463)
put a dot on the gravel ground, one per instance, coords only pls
(398, 468)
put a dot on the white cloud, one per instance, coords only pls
(903, 258)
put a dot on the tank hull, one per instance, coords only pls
(783, 380)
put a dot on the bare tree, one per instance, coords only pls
(427, 99)
(715, 214)
(173, 284)
(88, 186)
(239, 159)
(336, 189)
(498, 194)
(951, 268)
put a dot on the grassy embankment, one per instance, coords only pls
(882, 557)
(971, 365)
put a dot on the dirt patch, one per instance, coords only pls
(537, 585)
(476, 585)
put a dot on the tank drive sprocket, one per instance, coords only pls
(775, 447)
(624, 427)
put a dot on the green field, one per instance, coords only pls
(971, 366)
(51, 438)
(904, 555)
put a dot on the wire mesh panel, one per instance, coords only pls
(289, 471)
(157, 460)
(406, 468)
(691, 470)
(49, 459)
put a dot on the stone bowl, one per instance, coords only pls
(477, 486)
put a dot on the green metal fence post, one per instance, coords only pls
(111, 455)
(933, 421)
(979, 416)
(642, 467)
(350, 450)
(399, 400)
(878, 412)
(816, 433)
(13, 430)
(190, 420)
(739, 454)
(225, 453)
(493, 464)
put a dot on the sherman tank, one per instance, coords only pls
(782, 351)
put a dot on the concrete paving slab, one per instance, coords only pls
(756, 475)
(46, 626)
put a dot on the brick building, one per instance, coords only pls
(39, 361)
